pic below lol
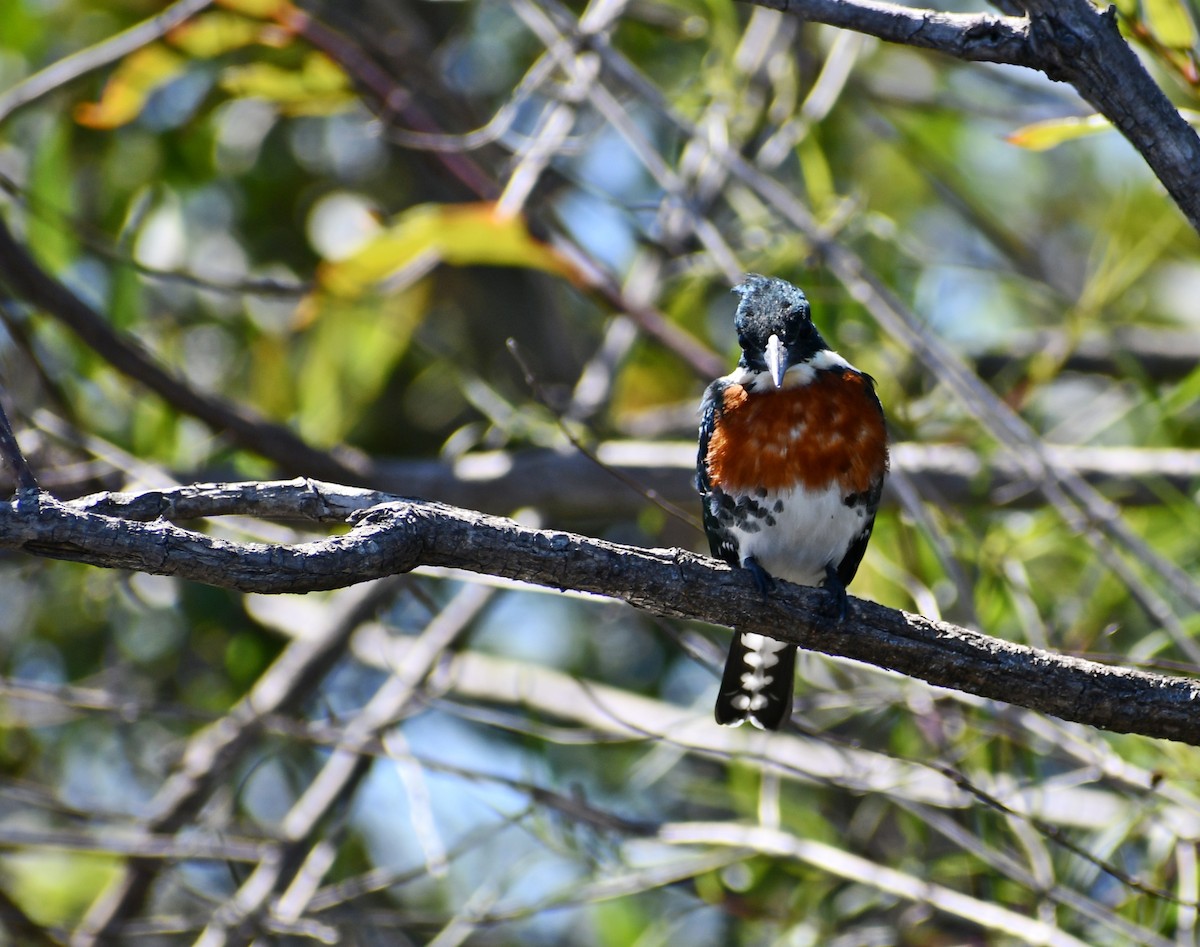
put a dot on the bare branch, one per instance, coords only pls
(167, 847)
(400, 535)
(978, 37)
(1070, 41)
(214, 750)
(844, 864)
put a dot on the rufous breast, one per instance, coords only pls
(811, 435)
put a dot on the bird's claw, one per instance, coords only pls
(762, 580)
(836, 588)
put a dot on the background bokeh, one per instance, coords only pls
(334, 217)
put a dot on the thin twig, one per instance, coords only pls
(233, 923)
(26, 279)
(212, 752)
(635, 484)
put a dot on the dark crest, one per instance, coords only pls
(774, 307)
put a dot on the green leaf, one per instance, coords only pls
(1042, 136)
(51, 235)
(55, 888)
(1169, 23)
(348, 354)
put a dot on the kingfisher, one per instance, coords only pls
(793, 455)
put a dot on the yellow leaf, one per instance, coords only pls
(128, 88)
(212, 34)
(317, 88)
(262, 9)
(1042, 136)
(1170, 23)
(457, 234)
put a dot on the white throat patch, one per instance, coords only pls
(796, 376)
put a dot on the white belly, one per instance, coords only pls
(801, 533)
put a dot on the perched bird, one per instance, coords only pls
(793, 454)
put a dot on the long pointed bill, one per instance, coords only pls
(777, 360)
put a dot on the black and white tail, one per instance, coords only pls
(757, 683)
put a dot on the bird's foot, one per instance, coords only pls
(761, 579)
(837, 593)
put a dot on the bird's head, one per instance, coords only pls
(774, 326)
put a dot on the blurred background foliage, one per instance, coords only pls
(334, 217)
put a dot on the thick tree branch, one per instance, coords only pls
(978, 37)
(1073, 41)
(1070, 41)
(400, 535)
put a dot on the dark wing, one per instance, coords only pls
(870, 501)
(858, 547)
(720, 542)
(709, 407)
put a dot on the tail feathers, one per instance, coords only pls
(757, 683)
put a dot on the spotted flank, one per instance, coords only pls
(791, 464)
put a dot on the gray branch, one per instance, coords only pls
(214, 750)
(399, 535)
(1158, 355)
(567, 486)
(978, 37)
(1070, 41)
